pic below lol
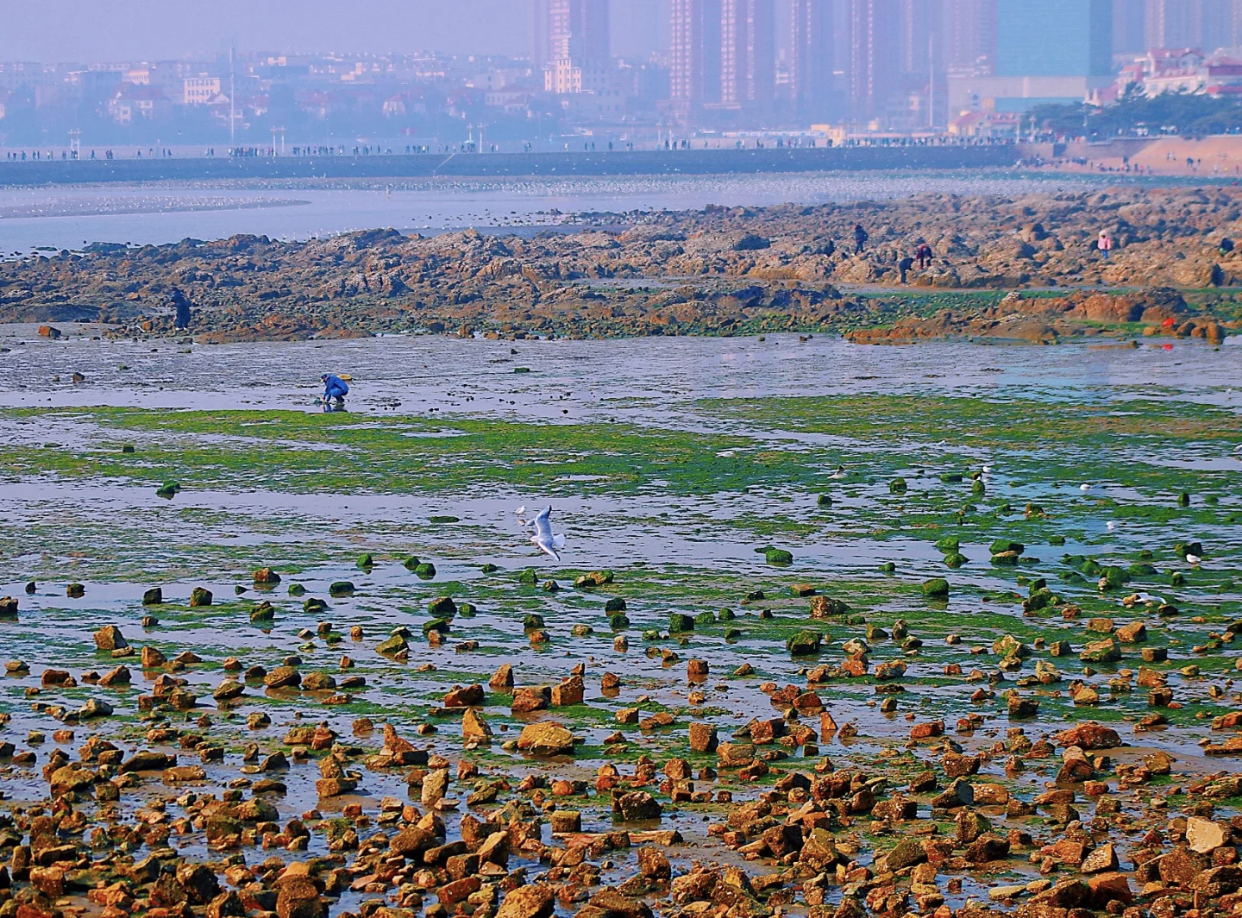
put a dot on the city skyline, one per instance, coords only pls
(877, 65)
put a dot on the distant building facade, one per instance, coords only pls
(1047, 51)
(874, 43)
(747, 52)
(811, 59)
(695, 43)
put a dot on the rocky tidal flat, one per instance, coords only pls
(1022, 268)
(924, 635)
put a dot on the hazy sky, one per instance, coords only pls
(86, 30)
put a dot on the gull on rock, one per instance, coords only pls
(1193, 559)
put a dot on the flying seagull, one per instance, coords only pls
(547, 541)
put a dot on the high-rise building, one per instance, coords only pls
(1129, 27)
(569, 29)
(695, 40)
(572, 44)
(1046, 51)
(1054, 38)
(747, 52)
(873, 57)
(921, 25)
(1220, 24)
(811, 58)
(971, 34)
(1174, 23)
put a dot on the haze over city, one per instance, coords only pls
(519, 74)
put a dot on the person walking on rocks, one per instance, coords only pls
(860, 238)
(182, 305)
(904, 267)
(924, 255)
(334, 391)
(1105, 244)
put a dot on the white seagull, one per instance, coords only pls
(1192, 559)
(547, 541)
(1084, 487)
(839, 473)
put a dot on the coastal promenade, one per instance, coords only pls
(494, 165)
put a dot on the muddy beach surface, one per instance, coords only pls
(837, 629)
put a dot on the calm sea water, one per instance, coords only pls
(69, 217)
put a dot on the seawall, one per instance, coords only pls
(496, 165)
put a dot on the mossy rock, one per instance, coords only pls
(705, 618)
(778, 556)
(615, 604)
(532, 620)
(680, 623)
(263, 612)
(412, 563)
(898, 486)
(314, 605)
(949, 544)
(1177, 578)
(297, 589)
(528, 577)
(200, 596)
(443, 520)
(1183, 499)
(437, 624)
(168, 489)
(978, 489)
(1056, 540)
(581, 631)
(489, 568)
(444, 607)
(425, 571)
(804, 643)
(1113, 578)
(467, 610)
(393, 646)
(726, 615)
(1006, 559)
(824, 500)
(888, 567)
(951, 478)
(1141, 569)
(955, 560)
(341, 588)
(618, 622)
(366, 562)
(153, 597)
(936, 588)
(1039, 599)
(1005, 546)
(651, 634)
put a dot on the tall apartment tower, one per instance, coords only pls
(695, 43)
(811, 58)
(921, 25)
(575, 30)
(1174, 23)
(971, 36)
(1129, 27)
(874, 43)
(747, 52)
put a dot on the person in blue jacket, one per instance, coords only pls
(334, 389)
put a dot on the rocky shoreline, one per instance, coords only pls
(719, 271)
